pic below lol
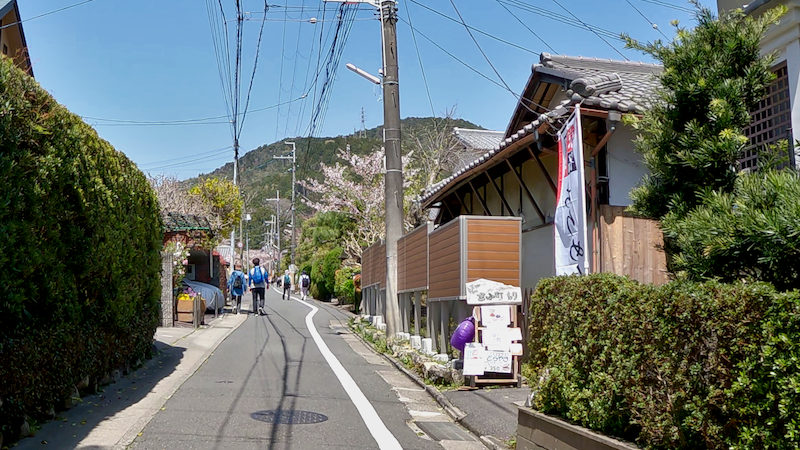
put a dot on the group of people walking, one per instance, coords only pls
(257, 280)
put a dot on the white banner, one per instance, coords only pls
(570, 220)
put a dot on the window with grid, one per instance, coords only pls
(771, 121)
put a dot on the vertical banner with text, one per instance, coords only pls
(570, 220)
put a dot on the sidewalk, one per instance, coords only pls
(112, 418)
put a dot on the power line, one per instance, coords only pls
(496, 72)
(489, 35)
(478, 72)
(253, 75)
(184, 158)
(670, 5)
(653, 24)
(44, 14)
(294, 70)
(201, 121)
(280, 76)
(548, 14)
(590, 29)
(527, 27)
(421, 67)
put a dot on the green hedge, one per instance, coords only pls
(345, 288)
(685, 365)
(323, 273)
(80, 236)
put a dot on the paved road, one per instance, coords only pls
(271, 369)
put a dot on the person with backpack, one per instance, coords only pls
(305, 283)
(260, 282)
(237, 286)
(287, 286)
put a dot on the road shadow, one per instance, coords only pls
(71, 426)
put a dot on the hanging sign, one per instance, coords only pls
(498, 361)
(488, 292)
(570, 219)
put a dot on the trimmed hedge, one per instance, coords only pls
(684, 365)
(80, 239)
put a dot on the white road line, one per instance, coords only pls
(375, 425)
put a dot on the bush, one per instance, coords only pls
(80, 239)
(345, 289)
(753, 232)
(685, 365)
(323, 273)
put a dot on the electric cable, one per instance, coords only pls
(590, 29)
(650, 22)
(421, 67)
(489, 35)
(527, 27)
(44, 14)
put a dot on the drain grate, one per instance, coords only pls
(289, 416)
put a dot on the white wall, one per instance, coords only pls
(537, 256)
(625, 166)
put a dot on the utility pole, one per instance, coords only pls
(293, 158)
(277, 224)
(391, 143)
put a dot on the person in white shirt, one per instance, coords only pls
(259, 280)
(305, 283)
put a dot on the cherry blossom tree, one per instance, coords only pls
(353, 187)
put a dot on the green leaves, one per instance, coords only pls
(713, 76)
(80, 234)
(685, 365)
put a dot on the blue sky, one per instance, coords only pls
(150, 60)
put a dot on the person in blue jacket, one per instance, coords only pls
(237, 285)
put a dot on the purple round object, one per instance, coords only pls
(465, 332)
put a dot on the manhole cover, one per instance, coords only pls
(289, 416)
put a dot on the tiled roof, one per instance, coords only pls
(184, 222)
(621, 85)
(5, 7)
(478, 139)
(618, 85)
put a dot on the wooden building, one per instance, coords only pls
(12, 37)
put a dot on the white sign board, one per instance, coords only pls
(488, 292)
(474, 359)
(496, 338)
(498, 361)
(570, 219)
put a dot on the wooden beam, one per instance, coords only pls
(544, 170)
(461, 202)
(527, 191)
(449, 211)
(602, 142)
(480, 199)
(500, 193)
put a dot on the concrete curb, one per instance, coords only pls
(451, 409)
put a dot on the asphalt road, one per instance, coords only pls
(271, 369)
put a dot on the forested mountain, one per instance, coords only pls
(260, 175)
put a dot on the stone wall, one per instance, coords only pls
(166, 290)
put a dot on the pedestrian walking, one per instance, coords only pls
(259, 282)
(305, 283)
(287, 286)
(237, 286)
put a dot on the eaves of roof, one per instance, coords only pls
(608, 84)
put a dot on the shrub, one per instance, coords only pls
(753, 232)
(685, 365)
(345, 289)
(80, 236)
(323, 273)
